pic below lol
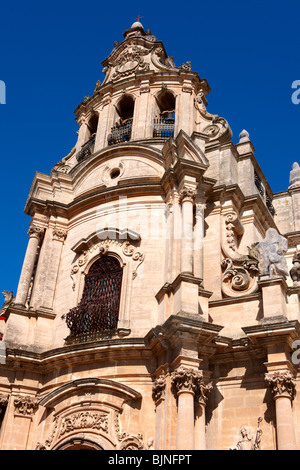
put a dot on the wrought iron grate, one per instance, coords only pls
(86, 150)
(163, 128)
(120, 133)
(98, 309)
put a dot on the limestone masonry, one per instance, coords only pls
(158, 303)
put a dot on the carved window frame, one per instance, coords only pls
(130, 258)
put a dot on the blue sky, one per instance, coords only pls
(51, 56)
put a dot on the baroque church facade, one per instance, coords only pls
(158, 303)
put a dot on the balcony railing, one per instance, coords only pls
(120, 133)
(87, 149)
(164, 127)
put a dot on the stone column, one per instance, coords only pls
(158, 394)
(200, 405)
(283, 387)
(187, 197)
(186, 381)
(35, 234)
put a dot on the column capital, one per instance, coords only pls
(186, 379)
(25, 405)
(59, 234)
(187, 194)
(282, 384)
(35, 231)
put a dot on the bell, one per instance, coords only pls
(170, 118)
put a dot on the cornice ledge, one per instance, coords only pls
(183, 322)
(272, 327)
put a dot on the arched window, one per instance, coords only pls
(98, 309)
(88, 147)
(121, 131)
(93, 124)
(165, 115)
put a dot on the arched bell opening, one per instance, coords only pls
(164, 120)
(121, 131)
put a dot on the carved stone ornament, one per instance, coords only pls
(159, 387)
(25, 405)
(240, 270)
(187, 194)
(130, 61)
(295, 271)
(102, 248)
(248, 441)
(218, 128)
(186, 379)
(35, 231)
(203, 392)
(3, 401)
(84, 420)
(9, 300)
(282, 384)
(127, 441)
(271, 251)
(295, 176)
(59, 234)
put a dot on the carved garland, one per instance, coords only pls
(82, 420)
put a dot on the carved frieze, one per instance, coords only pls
(84, 420)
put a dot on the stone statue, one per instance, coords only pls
(271, 253)
(8, 300)
(249, 442)
(150, 444)
(295, 176)
(295, 271)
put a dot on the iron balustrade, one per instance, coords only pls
(164, 127)
(87, 149)
(120, 133)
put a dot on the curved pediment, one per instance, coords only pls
(118, 389)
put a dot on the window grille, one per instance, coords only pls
(98, 309)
